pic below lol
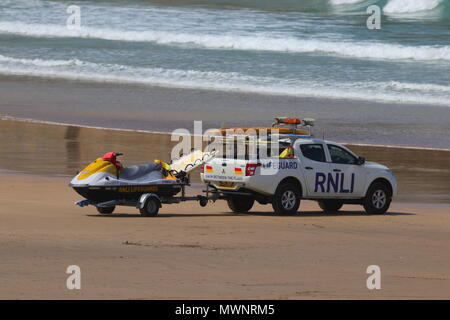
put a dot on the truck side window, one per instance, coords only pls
(313, 151)
(339, 155)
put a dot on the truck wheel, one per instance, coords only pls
(240, 204)
(378, 199)
(107, 210)
(150, 209)
(286, 199)
(330, 205)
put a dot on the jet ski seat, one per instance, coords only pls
(144, 172)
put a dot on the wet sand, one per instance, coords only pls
(189, 252)
(423, 175)
(164, 109)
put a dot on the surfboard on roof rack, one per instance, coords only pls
(281, 125)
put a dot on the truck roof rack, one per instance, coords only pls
(283, 126)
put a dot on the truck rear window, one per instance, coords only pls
(248, 150)
(313, 151)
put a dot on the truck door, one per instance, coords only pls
(314, 164)
(348, 178)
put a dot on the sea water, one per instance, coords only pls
(315, 48)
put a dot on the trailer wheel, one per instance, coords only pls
(107, 210)
(203, 201)
(240, 204)
(378, 199)
(151, 208)
(330, 205)
(286, 199)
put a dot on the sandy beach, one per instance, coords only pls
(78, 80)
(188, 252)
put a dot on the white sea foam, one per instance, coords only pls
(361, 49)
(410, 6)
(229, 81)
(40, 62)
(418, 86)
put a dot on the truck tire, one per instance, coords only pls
(151, 208)
(330, 205)
(240, 204)
(107, 210)
(286, 199)
(378, 199)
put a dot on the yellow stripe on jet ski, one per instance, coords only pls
(98, 165)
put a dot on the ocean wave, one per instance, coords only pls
(390, 6)
(75, 69)
(420, 8)
(228, 81)
(417, 9)
(408, 6)
(369, 50)
(418, 86)
(41, 63)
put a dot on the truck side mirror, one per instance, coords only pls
(360, 161)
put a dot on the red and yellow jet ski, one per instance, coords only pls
(106, 179)
(106, 183)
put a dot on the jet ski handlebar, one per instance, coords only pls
(181, 175)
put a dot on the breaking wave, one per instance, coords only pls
(417, 9)
(360, 49)
(396, 92)
(408, 6)
(418, 86)
(389, 6)
(41, 63)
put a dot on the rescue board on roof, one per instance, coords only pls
(280, 125)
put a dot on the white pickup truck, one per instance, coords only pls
(319, 170)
